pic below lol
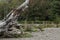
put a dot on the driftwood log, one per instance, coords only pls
(10, 20)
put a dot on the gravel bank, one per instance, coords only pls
(48, 34)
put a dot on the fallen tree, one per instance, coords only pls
(10, 21)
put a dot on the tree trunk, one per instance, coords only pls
(11, 18)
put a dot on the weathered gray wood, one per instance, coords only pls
(12, 17)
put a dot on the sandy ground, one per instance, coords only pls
(48, 34)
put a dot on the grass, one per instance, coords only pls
(25, 35)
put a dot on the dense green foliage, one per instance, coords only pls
(39, 10)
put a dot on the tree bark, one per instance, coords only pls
(11, 18)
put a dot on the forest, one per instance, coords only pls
(39, 10)
(34, 14)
